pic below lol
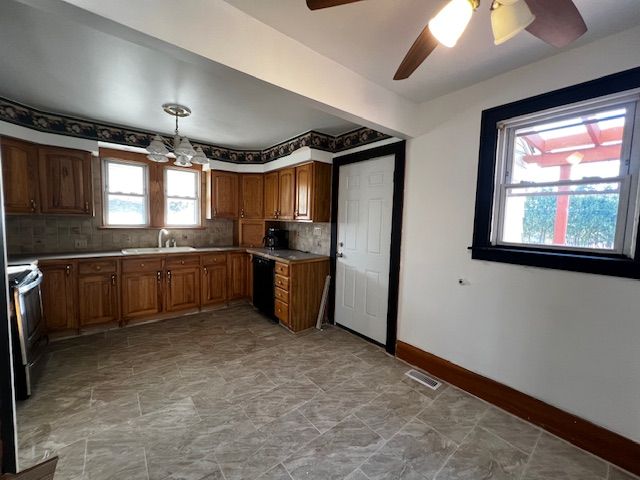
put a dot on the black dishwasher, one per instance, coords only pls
(263, 284)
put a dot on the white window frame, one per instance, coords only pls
(197, 198)
(629, 202)
(106, 192)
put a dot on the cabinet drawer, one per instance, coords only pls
(214, 259)
(282, 269)
(282, 311)
(99, 266)
(282, 282)
(141, 265)
(183, 261)
(281, 295)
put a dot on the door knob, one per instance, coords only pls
(339, 255)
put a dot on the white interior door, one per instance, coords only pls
(365, 203)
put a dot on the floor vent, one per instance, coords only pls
(425, 380)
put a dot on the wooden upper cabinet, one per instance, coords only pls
(287, 191)
(252, 196)
(224, 195)
(271, 195)
(65, 180)
(59, 295)
(20, 176)
(251, 233)
(304, 181)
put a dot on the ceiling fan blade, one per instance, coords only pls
(558, 22)
(419, 51)
(318, 4)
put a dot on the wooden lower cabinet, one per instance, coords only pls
(214, 279)
(59, 297)
(238, 270)
(142, 294)
(98, 297)
(183, 288)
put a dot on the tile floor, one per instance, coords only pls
(229, 395)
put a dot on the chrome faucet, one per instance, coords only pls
(163, 230)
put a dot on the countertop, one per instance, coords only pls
(31, 258)
(287, 256)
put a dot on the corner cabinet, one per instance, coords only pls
(271, 196)
(42, 179)
(238, 271)
(252, 196)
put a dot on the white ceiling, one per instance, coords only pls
(372, 37)
(52, 63)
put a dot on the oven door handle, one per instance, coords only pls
(22, 289)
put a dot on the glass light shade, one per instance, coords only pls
(450, 22)
(509, 18)
(157, 146)
(199, 158)
(182, 161)
(185, 148)
(156, 157)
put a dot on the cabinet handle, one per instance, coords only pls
(169, 277)
(242, 213)
(86, 206)
(159, 275)
(295, 213)
(215, 211)
(33, 205)
(206, 272)
(113, 279)
(67, 270)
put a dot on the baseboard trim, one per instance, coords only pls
(610, 446)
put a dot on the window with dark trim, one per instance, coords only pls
(558, 179)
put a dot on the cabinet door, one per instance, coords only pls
(98, 299)
(304, 182)
(252, 196)
(238, 268)
(59, 296)
(271, 195)
(251, 233)
(224, 195)
(65, 180)
(20, 176)
(214, 284)
(183, 288)
(141, 294)
(286, 186)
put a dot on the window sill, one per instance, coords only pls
(599, 264)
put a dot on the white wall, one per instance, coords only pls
(569, 339)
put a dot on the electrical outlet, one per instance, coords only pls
(81, 243)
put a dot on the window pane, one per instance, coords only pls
(126, 210)
(584, 146)
(125, 178)
(182, 212)
(582, 216)
(181, 183)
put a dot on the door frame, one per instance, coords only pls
(396, 149)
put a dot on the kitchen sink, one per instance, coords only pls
(147, 251)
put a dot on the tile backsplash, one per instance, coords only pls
(27, 234)
(309, 237)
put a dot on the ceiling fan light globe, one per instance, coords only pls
(450, 22)
(509, 18)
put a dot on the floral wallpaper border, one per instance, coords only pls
(22, 115)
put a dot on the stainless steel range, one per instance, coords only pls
(27, 325)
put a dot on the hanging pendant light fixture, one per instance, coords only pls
(159, 149)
